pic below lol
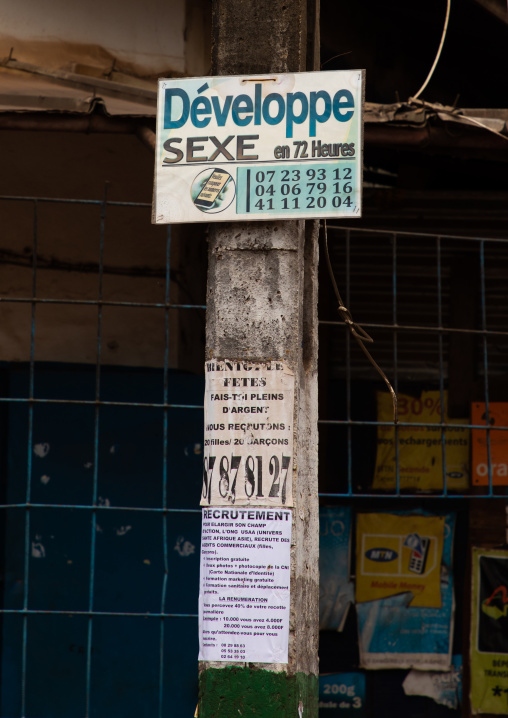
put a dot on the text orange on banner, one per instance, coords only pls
(498, 441)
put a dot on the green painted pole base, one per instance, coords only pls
(253, 693)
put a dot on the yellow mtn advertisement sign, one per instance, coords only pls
(397, 554)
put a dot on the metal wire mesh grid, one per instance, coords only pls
(96, 507)
(371, 266)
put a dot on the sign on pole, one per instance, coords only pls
(244, 585)
(248, 453)
(259, 147)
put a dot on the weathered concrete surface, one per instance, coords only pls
(261, 37)
(304, 634)
(252, 312)
(262, 305)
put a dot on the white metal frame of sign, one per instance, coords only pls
(259, 147)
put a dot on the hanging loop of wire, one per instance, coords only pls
(445, 28)
(358, 332)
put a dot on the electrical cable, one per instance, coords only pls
(465, 118)
(360, 335)
(445, 28)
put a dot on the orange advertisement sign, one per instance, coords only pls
(498, 418)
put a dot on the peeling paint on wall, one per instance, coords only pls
(38, 550)
(443, 687)
(123, 530)
(41, 450)
(184, 548)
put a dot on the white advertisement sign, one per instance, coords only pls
(244, 585)
(248, 446)
(259, 147)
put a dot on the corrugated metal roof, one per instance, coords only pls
(418, 113)
(29, 88)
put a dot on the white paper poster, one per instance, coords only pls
(248, 456)
(244, 585)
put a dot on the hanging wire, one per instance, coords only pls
(348, 52)
(445, 28)
(360, 335)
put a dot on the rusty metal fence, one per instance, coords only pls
(436, 307)
(82, 635)
(63, 605)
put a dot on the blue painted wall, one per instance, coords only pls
(129, 554)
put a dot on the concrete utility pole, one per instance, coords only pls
(262, 306)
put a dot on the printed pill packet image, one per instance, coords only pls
(213, 190)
